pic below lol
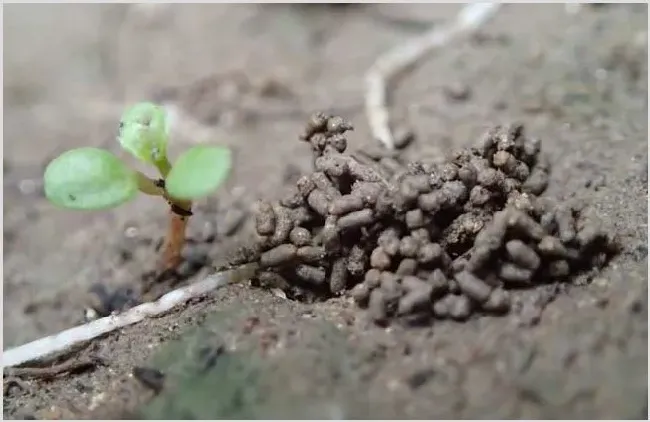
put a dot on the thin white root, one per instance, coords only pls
(391, 64)
(41, 348)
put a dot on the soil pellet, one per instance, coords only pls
(553, 247)
(325, 185)
(490, 178)
(346, 204)
(357, 260)
(379, 259)
(421, 183)
(521, 172)
(363, 173)
(460, 307)
(311, 274)
(414, 219)
(293, 199)
(430, 253)
(338, 276)
(558, 269)
(492, 236)
(377, 306)
(431, 202)
(301, 215)
(510, 186)
(455, 193)
(438, 282)
(481, 255)
(406, 266)
(409, 191)
(265, 219)
(479, 196)
(389, 242)
(504, 161)
(440, 309)
(337, 124)
(415, 300)
(521, 201)
(403, 137)
(300, 236)
(390, 285)
(459, 264)
(525, 225)
(408, 247)
(448, 172)
(279, 255)
(422, 273)
(548, 222)
(468, 175)
(332, 166)
(587, 236)
(522, 254)
(318, 142)
(472, 286)
(424, 235)
(268, 278)
(311, 254)
(356, 219)
(338, 142)
(316, 123)
(372, 278)
(498, 302)
(330, 234)
(360, 293)
(566, 229)
(412, 283)
(317, 200)
(536, 182)
(367, 191)
(283, 225)
(305, 185)
(511, 273)
(384, 204)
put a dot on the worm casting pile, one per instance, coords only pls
(420, 240)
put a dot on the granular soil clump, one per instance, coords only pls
(419, 241)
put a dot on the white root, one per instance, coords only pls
(41, 348)
(391, 64)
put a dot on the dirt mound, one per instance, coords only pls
(418, 240)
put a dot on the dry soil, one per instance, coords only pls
(248, 76)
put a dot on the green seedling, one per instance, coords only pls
(95, 179)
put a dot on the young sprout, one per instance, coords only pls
(95, 179)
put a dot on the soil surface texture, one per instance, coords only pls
(494, 267)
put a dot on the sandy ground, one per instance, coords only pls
(247, 76)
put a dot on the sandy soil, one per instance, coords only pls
(248, 76)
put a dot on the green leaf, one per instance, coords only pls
(198, 172)
(144, 132)
(89, 179)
